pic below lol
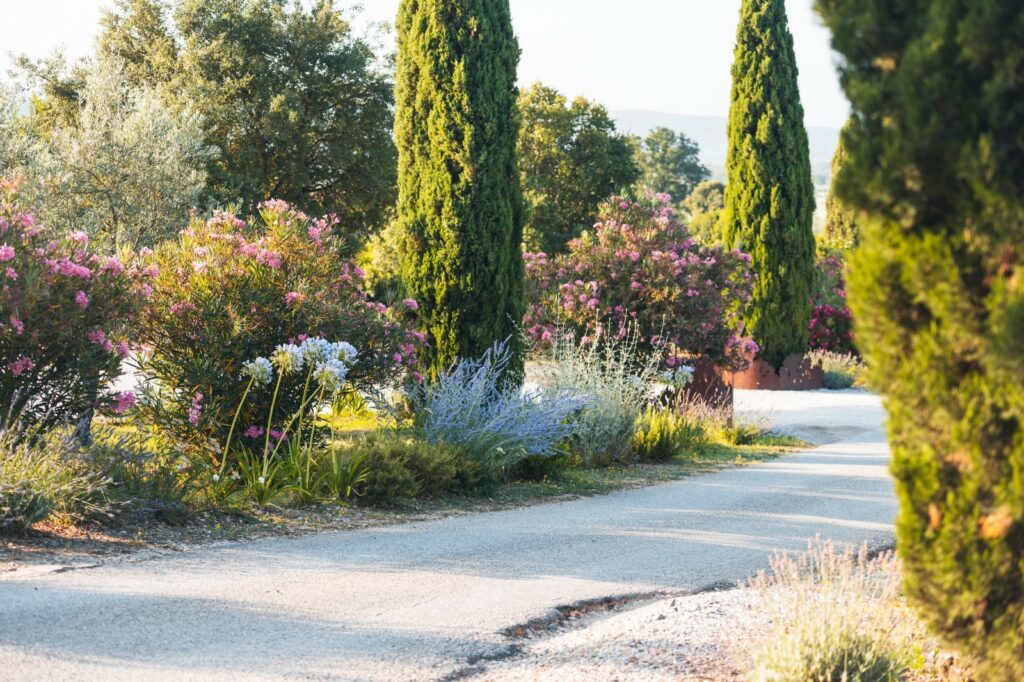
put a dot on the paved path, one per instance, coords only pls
(418, 601)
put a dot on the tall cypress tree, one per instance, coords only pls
(936, 163)
(460, 204)
(769, 204)
(840, 227)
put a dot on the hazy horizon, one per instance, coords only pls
(670, 56)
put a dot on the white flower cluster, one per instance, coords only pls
(679, 377)
(329, 362)
(260, 370)
(331, 374)
(288, 358)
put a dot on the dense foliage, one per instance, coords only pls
(936, 167)
(226, 292)
(831, 323)
(571, 159)
(769, 203)
(65, 314)
(670, 164)
(126, 171)
(841, 231)
(640, 268)
(704, 207)
(460, 205)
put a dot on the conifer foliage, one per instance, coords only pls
(460, 205)
(769, 203)
(840, 226)
(936, 163)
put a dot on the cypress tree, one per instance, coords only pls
(769, 204)
(840, 227)
(460, 205)
(936, 171)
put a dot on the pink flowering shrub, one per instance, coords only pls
(226, 292)
(65, 311)
(831, 319)
(640, 269)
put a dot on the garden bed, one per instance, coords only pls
(56, 543)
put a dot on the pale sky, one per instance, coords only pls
(661, 55)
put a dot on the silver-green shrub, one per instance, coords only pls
(616, 380)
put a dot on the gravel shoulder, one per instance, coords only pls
(436, 599)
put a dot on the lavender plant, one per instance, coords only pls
(471, 407)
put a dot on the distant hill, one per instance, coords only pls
(710, 133)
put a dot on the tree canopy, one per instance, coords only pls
(571, 158)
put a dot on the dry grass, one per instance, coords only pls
(841, 617)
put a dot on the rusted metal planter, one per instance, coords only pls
(797, 373)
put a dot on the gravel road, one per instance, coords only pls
(432, 600)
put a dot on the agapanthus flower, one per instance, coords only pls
(316, 350)
(287, 358)
(331, 374)
(254, 432)
(346, 352)
(260, 370)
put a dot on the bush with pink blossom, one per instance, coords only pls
(641, 269)
(227, 291)
(65, 312)
(831, 319)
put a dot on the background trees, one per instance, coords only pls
(460, 206)
(571, 158)
(125, 169)
(670, 164)
(296, 104)
(936, 162)
(840, 225)
(769, 201)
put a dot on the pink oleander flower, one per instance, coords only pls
(97, 336)
(79, 237)
(254, 432)
(6, 253)
(21, 365)
(397, 357)
(269, 258)
(11, 274)
(250, 250)
(18, 325)
(125, 402)
(82, 300)
(291, 297)
(277, 434)
(113, 266)
(411, 304)
(122, 349)
(196, 410)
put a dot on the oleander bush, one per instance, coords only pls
(641, 269)
(66, 313)
(226, 292)
(831, 326)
